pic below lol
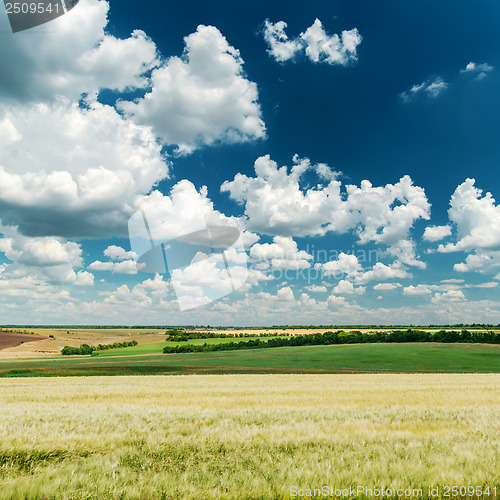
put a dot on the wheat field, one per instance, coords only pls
(245, 436)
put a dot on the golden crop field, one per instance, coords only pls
(246, 436)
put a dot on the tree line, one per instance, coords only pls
(183, 336)
(89, 349)
(341, 337)
(380, 327)
(12, 330)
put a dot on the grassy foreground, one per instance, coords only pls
(245, 436)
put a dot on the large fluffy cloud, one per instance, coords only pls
(346, 264)
(405, 252)
(476, 217)
(115, 252)
(449, 296)
(68, 170)
(121, 262)
(73, 172)
(276, 204)
(436, 233)
(75, 55)
(174, 222)
(281, 254)
(201, 98)
(45, 259)
(484, 262)
(382, 272)
(314, 42)
(183, 211)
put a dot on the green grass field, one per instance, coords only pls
(143, 359)
(157, 347)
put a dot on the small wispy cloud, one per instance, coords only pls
(430, 88)
(489, 284)
(434, 87)
(480, 70)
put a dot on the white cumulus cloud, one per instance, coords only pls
(202, 97)
(283, 253)
(45, 259)
(314, 43)
(72, 57)
(436, 233)
(449, 296)
(87, 183)
(347, 264)
(285, 294)
(345, 287)
(183, 211)
(123, 267)
(476, 217)
(115, 252)
(276, 204)
(417, 290)
(382, 272)
(484, 262)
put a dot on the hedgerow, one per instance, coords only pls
(89, 349)
(341, 337)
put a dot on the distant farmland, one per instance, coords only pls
(146, 359)
(39, 355)
(14, 339)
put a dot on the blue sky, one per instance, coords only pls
(353, 144)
